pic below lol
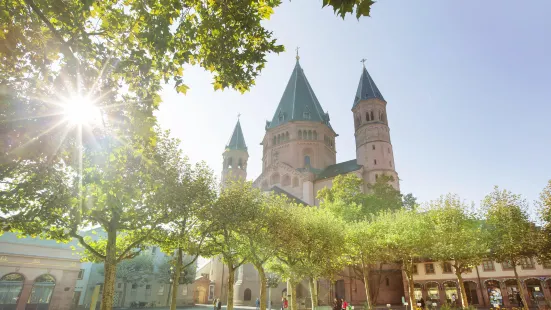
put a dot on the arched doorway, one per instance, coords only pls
(450, 289)
(512, 292)
(535, 291)
(433, 292)
(41, 293)
(11, 286)
(418, 291)
(494, 293)
(471, 292)
(247, 295)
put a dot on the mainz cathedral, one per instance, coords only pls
(298, 160)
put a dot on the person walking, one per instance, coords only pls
(219, 304)
(285, 303)
(215, 304)
(336, 305)
(344, 304)
(454, 300)
(257, 303)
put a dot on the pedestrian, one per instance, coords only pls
(519, 300)
(285, 303)
(257, 303)
(219, 304)
(336, 305)
(454, 299)
(215, 304)
(422, 302)
(344, 304)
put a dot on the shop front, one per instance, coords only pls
(450, 289)
(535, 291)
(433, 292)
(494, 293)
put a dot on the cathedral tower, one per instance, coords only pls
(373, 147)
(235, 157)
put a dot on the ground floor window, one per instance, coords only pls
(450, 289)
(41, 293)
(211, 292)
(433, 292)
(418, 291)
(10, 290)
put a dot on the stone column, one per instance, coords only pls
(25, 294)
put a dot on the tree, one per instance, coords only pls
(364, 248)
(168, 274)
(227, 216)
(407, 236)
(458, 238)
(137, 270)
(117, 187)
(305, 248)
(259, 232)
(544, 243)
(510, 233)
(347, 200)
(187, 194)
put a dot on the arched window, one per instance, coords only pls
(309, 134)
(274, 142)
(357, 122)
(278, 139)
(275, 179)
(300, 134)
(11, 286)
(247, 295)
(240, 163)
(383, 117)
(306, 161)
(230, 163)
(295, 182)
(286, 180)
(41, 292)
(372, 118)
(287, 136)
(367, 116)
(374, 161)
(315, 135)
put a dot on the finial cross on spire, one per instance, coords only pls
(363, 61)
(297, 57)
(238, 115)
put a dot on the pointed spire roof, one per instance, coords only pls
(367, 88)
(298, 103)
(237, 141)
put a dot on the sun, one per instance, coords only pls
(80, 111)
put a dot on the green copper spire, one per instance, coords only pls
(298, 103)
(237, 141)
(366, 88)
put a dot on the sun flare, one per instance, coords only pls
(80, 111)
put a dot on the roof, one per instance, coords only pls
(298, 103)
(237, 141)
(340, 168)
(367, 89)
(280, 191)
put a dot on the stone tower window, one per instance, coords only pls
(383, 117)
(278, 139)
(240, 163)
(230, 164)
(287, 136)
(309, 134)
(367, 116)
(315, 135)
(372, 118)
(306, 161)
(274, 142)
(373, 146)
(357, 121)
(300, 134)
(374, 161)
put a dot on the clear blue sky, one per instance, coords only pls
(468, 85)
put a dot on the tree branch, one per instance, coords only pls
(86, 245)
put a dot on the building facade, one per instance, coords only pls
(298, 160)
(487, 285)
(37, 274)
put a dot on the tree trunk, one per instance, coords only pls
(464, 301)
(124, 294)
(520, 288)
(365, 273)
(231, 280)
(110, 266)
(263, 284)
(294, 305)
(176, 280)
(409, 276)
(313, 292)
(378, 289)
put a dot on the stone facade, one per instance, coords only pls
(299, 159)
(486, 285)
(37, 273)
